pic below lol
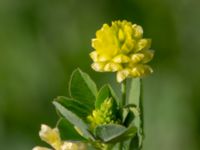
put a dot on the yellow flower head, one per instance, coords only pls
(121, 48)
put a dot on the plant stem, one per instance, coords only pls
(121, 146)
(123, 90)
(141, 113)
(123, 102)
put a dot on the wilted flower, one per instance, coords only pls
(121, 48)
(52, 137)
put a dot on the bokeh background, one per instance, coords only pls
(42, 41)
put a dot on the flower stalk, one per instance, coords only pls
(141, 113)
(123, 103)
(123, 90)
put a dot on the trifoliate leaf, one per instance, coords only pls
(83, 88)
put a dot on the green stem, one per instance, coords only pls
(123, 102)
(141, 114)
(123, 90)
(121, 146)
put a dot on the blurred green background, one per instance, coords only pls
(42, 41)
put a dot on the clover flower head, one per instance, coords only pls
(121, 48)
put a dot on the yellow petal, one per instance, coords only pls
(69, 146)
(128, 46)
(51, 136)
(121, 59)
(136, 58)
(98, 66)
(148, 55)
(123, 74)
(127, 28)
(138, 31)
(103, 58)
(121, 35)
(94, 56)
(141, 70)
(112, 67)
(96, 43)
(143, 44)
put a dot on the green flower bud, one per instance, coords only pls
(103, 115)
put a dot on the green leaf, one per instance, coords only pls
(105, 92)
(114, 132)
(75, 120)
(134, 92)
(83, 88)
(67, 131)
(74, 106)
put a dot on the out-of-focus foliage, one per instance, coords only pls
(42, 41)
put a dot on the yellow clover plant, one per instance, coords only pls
(97, 119)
